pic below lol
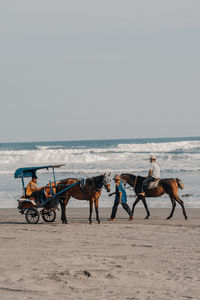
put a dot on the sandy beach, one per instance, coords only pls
(142, 259)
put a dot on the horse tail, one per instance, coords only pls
(180, 183)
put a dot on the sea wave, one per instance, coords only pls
(182, 155)
(183, 146)
(177, 158)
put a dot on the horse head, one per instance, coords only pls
(129, 178)
(106, 181)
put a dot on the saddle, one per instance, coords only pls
(153, 184)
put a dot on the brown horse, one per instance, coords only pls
(89, 190)
(166, 186)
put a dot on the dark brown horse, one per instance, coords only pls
(166, 186)
(89, 190)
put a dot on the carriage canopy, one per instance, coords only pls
(30, 171)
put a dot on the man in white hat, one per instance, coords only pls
(153, 175)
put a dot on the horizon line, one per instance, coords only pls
(106, 139)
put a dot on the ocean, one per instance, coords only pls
(177, 157)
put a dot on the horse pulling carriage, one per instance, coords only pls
(47, 205)
(59, 192)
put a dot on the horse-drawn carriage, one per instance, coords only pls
(48, 201)
(59, 192)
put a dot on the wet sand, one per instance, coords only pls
(143, 259)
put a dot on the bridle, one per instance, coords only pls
(135, 182)
(106, 180)
(99, 185)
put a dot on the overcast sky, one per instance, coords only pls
(99, 69)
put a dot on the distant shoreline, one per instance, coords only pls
(175, 138)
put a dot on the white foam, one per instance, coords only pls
(48, 147)
(160, 147)
(124, 157)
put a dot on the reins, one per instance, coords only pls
(135, 182)
(96, 184)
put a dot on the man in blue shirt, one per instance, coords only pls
(120, 198)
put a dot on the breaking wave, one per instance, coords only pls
(182, 156)
(177, 158)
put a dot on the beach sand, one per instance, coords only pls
(142, 259)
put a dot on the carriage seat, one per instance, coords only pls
(153, 184)
(24, 202)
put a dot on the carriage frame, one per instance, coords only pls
(46, 207)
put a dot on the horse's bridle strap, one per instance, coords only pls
(135, 182)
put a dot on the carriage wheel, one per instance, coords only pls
(49, 216)
(32, 215)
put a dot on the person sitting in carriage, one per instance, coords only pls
(33, 191)
(153, 175)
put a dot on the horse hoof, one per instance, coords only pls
(64, 222)
(186, 217)
(147, 217)
(168, 218)
(99, 222)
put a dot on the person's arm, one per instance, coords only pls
(111, 194)
(41, 188)
(120, 196)
(35, 188)
(151, 170)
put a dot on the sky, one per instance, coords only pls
(75, 70)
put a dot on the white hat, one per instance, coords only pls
(152, 156)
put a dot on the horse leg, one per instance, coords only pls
(146, 207)
(182, 205)
(63, 204)
(173, 207)
(97, 211)
(91, 207)
(134, 204)
(62, 210)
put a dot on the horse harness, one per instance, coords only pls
(135, 182)
(97, 186)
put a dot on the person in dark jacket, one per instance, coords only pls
(120, 198)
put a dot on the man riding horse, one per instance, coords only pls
(168, 186)
(153, 175)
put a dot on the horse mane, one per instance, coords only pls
(131, 180)
(130, 175)
(96, 180)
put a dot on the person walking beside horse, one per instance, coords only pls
(120, 198)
